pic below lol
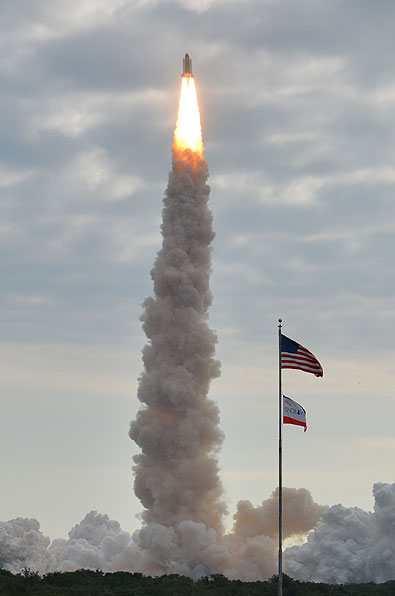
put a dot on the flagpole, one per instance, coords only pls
(280, 470)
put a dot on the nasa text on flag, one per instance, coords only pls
(293, 413)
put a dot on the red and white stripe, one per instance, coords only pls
(302, 360)
(289, 420)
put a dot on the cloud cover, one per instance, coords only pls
(297, 102)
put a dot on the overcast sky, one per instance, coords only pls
(297, 101)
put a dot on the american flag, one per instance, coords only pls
(293, 355)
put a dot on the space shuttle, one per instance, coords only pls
(187, 67)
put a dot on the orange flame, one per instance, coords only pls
(188, 133)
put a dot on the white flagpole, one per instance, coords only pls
(280, 470)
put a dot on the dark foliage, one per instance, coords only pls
(97, 583)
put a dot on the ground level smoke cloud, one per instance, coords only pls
(349, 544)
(346, 544)
(187, 548)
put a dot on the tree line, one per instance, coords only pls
(96, 583)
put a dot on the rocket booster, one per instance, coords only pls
(187, 67)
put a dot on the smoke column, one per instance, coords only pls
(176, 475)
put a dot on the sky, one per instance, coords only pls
(297, 103)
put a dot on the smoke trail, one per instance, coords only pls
(176, 475)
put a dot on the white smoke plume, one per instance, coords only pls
(95, 543)
(346, 544)
(187, 548)
(300, 513)
(22, 544)
(349, 544)
(176, 475)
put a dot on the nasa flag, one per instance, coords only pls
(293, 413)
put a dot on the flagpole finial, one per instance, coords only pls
(280, 321)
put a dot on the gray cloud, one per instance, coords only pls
(297, 102)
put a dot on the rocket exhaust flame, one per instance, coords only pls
(188, 133)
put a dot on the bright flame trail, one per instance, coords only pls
(188, 133)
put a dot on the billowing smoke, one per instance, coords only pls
(349, 544)
(176, 475)
(177, 429)
(346, 545)
(188, 548)
(22, 544)
(95, 543)
(300, 513)
(249, 552)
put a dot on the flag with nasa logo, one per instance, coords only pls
(293, 413)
